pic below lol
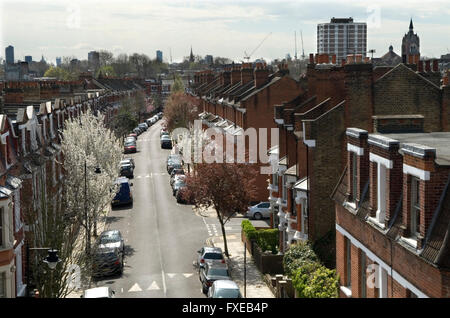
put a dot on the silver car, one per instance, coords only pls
(208, 254)
(259, 211)
(224, 289)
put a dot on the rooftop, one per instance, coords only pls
(437, 140)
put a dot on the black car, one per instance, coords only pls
(126, 170)
(178, 184)
(107, 261)
(212, 272)
(174, 164)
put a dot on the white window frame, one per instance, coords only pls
(3, 285)
(415, 207)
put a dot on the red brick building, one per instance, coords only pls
(243, 97)
(392, 208)
(312, 151)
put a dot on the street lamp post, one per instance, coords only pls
(51, 260)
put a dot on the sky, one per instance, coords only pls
(52, 28)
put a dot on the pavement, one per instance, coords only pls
(255, 286)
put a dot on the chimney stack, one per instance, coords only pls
(435, 65)
(235, 74)
(420, 66)
(246, 73)
(311, 58)
(428, 66)
(261, 74)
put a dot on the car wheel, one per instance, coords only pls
(205, 290)
(257, 216)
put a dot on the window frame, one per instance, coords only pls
(348, 260)
(415, 210)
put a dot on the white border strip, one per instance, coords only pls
(352, 148)
(419, 173)
(399, 278)
(382, 161)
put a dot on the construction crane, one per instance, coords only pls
(247, 56)
(295, 37)
(303, 50)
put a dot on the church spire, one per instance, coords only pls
(411, 26)
(191, 57)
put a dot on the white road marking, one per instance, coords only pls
(187, 275)
(171, 275)
(135, 288)
(121, 290)
(154, 286)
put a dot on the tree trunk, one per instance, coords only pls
(224, 235)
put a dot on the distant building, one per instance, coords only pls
(342, 37)
(389, 59)
(191, 56)
(94, 59)
(159, 56)
(28, 59)
(410, 46)
(58, 62)
(209, 59)
(9, 54)
(17, 71)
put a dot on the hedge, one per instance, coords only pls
(267, 240)
(315, 281)
(298, 256)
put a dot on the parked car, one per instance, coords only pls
(148, 121)
(133, 134)
(126, 170)
(137, 131)
(180, 182)
(224, 289)
(144, 126)
(130, 139)
(174, 164)
(106, 261)
(129, 147)
(259, 211)
(209, 254)
(174, 173)
(166, 142)
(212, 272)
(153, 120)
(128, 161)
(98, 292)
(163, 130)
(182, 196)
(160, 115)
(111, 239)
(123, 195)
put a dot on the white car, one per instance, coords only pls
(224, 289)
(99, 292)
(259, 211)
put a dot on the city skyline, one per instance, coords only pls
(61, 28)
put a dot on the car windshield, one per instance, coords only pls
(180, 184)
(213, 256)
(125, 166)
(165, 137)
(227, 293)
(109, 238)
(130, 143)
(218, 272)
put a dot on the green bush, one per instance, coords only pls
(249, 229)
(315, 281)
(267, 240)
(298, 256)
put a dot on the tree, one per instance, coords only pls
(106, 70)
(51, 226)
(227, 187)
(178, 85)
(179, 111)
(59, 73)
(87, 146)
(106, 57)
(124, 122)
(315, 281)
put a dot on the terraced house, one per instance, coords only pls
(243, 97)
(312, 151)
(393, 215)
(30, 159)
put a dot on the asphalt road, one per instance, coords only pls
(161, 236)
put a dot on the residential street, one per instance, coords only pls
(161, 236)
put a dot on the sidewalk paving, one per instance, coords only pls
(256, 287)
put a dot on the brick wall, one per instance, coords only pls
(403, 92)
